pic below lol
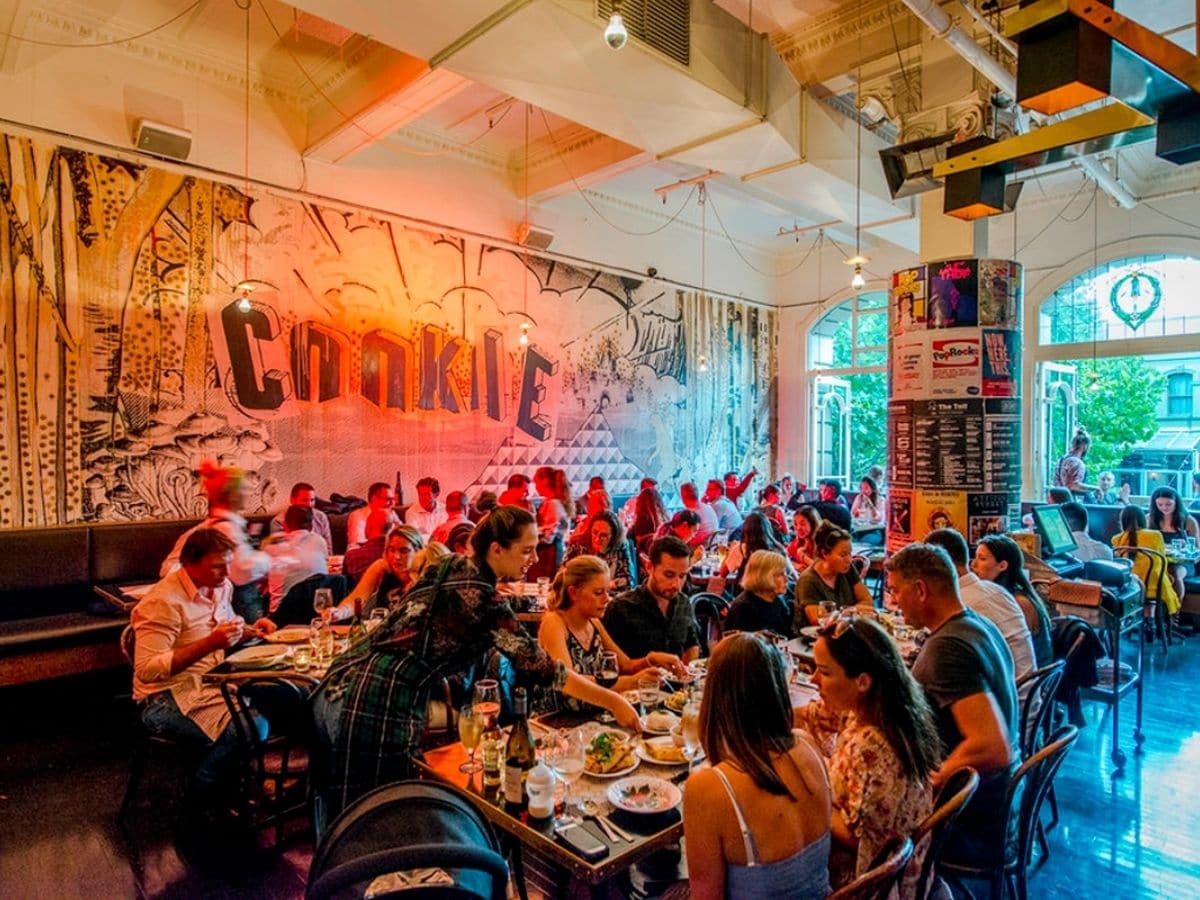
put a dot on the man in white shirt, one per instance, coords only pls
(728, 517)
(992, 602)
(379, 496)
(1088, 547)
(296, 555)
(456, 514)
(304, 494)
(181, 627)
(708, 519)
(426, 514)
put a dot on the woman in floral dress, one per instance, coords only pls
(873, 723)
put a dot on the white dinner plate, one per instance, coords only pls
(644, 794)
(291, 634)
(262, 656)
(644, 748)
(590, 731)
(646, 724)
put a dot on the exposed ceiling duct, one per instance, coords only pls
(940, 23)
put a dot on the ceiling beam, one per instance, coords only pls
(571, 165)
(390, 90)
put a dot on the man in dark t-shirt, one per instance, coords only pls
(966, 671)
(657, 617)
(832, 505)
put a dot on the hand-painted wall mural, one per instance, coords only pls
(369, 348)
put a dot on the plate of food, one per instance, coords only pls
(262, 656)
(662, 751)
(643, 794)
(659, 722)
(610, 754)
(676, 701)
(290, 634)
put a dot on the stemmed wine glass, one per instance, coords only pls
(567, 759)
(470, 730)
(487, 702)
(322, 601)
(607, 673)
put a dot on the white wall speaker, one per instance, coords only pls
(534, 237)
(163, 140)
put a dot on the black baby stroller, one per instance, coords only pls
(431, 834)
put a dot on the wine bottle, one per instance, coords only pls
(357, 628)
(519, 754)
(398, 493)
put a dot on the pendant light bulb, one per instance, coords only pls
(1094, 380)
(243, 304)
(858, 282)
(523, 340)
(616, 35)
(703, 367)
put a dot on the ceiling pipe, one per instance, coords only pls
(991, 30)
(940, 23)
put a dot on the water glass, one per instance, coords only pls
(487, 701)
(322, 601)
(648, 693)
(828, 608)
(690, 728)
(302, 658)
(315, 628)
(567, 759)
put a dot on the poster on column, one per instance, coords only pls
(939, 509)
(899, 520)
(986, 514)
(999, 293)
(907, 307)
(910, 367)
(954, 364)
(1001, 362)
(1002, 445)
(948, 444)
(900, 444)
(953, 294)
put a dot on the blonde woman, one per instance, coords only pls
(571, 632)
(762, 606)
(426, 559)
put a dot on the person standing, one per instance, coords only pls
(1070, 471)
(735, 487)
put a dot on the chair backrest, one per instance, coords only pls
(409, 825)
(950, 801)
(1154, 572)
(127, 637)
(708, 609)
(1037, 710)
(878, 881)
(862, 565)
(1034, 777)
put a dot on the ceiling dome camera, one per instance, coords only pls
(615, 34)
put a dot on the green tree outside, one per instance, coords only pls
(1117, 404)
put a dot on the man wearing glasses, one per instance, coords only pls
(966, 671)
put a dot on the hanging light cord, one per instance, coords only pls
(858, 143)
(246, 156)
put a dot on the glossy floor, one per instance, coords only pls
(64, 756)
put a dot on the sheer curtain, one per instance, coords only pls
(730, 421)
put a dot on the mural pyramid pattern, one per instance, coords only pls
(592, 450)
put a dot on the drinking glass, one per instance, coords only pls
(690, 728)
(543, 590)
(377, 618)
(828, 608)
(648, 691)
(322, 601)
(567, 760)
(315, 627)
(487, 701)
(302, 658)
(607, 673)
(470, 730)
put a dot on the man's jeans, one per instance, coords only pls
(160, 714)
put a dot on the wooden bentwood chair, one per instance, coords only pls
(1027, 789)
(878, 882)
(950, 801)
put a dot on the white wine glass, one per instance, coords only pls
(568, 761)
(322, 601)
(470, 730)
(690, 728)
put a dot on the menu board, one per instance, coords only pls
(948, 444)
(1002, 453)
(900, 444)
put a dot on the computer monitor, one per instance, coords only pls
(1052, 525)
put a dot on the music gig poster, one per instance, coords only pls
(954, 365)
(910, 367)
(953, 294)
(939, 509)
(907, 306)
(1001, 362)
(999, 293)
(899, 519)
(986, 514)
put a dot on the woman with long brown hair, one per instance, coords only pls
(757, 822)
(875, 725)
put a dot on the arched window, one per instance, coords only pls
(847, 353)
(1116, 353)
